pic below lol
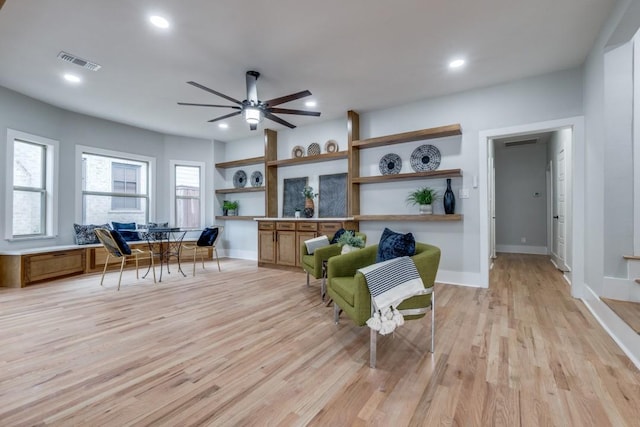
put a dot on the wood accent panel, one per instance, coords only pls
(226, 348)
(417, 135)
(39, 267)
(240, 190)
(309, 159)
(241, 162)
(444, 173)
(628, 311)
(271, 173)
(353, 192)
(452, 217)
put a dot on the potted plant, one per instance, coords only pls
(309, 195)
(350, 242)
(423, 197)
(230, 208)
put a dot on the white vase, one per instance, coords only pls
(348, 248)
(426, 209)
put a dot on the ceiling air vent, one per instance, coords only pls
(524, 142)
(67, 57)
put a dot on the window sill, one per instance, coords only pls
(26, 239)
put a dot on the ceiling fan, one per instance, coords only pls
(252, 109)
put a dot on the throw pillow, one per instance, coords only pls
(316, 243)
(208, 237)
(85, 234)
(336, 236)
(122, 244)
(124, 229)
(394, 245)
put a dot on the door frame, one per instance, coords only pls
(576, 276)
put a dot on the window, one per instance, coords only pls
(186, 178)
(31, 200)
(125, 180)
(114, 186)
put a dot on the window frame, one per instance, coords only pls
(172, 168)
(151, 162)
(49, 214)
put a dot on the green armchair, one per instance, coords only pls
(350, 293)
(312, 263)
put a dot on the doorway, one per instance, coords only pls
(567, 195)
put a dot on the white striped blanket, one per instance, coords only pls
(391, 282)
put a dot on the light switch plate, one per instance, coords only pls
(464, 193)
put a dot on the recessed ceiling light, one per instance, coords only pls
(159, 21)
(223, 126)
(456, 63)
(310, 103)
(72, 78)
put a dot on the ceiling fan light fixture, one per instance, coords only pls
(159, 21)
(252, 115)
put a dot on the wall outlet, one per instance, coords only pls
(523, 240)
(464, 193)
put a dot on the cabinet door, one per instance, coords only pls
(286, 248)
(53, 264)
(301, 237)
(266, 247)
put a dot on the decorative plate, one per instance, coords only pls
(239, 179)
(298, 151)
(313, 149)
(390, 164)
(425, 158)
(331, 146)
(256, 179)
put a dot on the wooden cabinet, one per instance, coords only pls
(279, 241)
(355, 180)
(23, 269)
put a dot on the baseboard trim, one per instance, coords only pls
(522, 249)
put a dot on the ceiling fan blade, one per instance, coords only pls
(287, 98)
(252, 87)
(277, 119)
(298, 112)
(235, 113)
(253, 126)
(1, 3)
(221, 95)
(209, 105)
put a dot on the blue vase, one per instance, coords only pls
(449, 199)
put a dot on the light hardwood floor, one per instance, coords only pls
(252, 346)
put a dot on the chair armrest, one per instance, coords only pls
(324, 253)
(427, 260)
(347, 264)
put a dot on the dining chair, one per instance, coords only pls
(117, 247)
(208, 238)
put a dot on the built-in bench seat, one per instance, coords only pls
(22, 267)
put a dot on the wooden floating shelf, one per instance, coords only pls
(238, 217)
(452, 217)
(242, 162)
(445, 173)
(240, 190)
(633, 257)
(309, 159)
(418, 135)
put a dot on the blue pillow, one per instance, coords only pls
(208, 237)
(122, 227)
(122, 244)
(336, 236)
(394, 245)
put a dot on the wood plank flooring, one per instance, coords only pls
(251, 346)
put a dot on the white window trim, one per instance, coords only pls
(151, 161)
(172, 178)
(51, 176)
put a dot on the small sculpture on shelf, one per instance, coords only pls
(449, 199)
(309, 195)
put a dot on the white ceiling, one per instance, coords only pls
(351, 54)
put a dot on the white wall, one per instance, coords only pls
(22, 113)
(521, 198)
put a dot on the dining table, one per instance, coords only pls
(165, 243)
